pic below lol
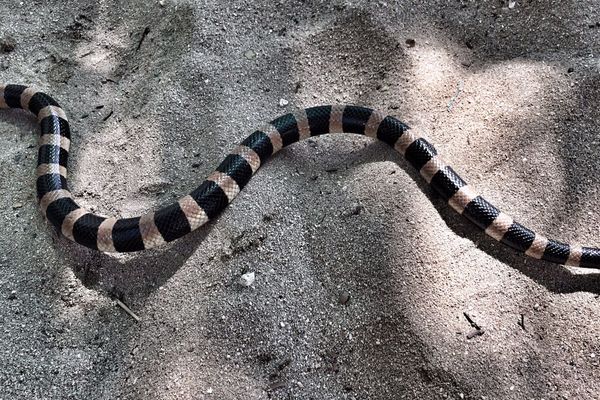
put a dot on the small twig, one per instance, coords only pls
(108, 116)
(144, 34)
(86, 54)
(127, 310)
(473, 323)
(454, 99)
(521, 322)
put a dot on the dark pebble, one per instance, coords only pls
(344, 298)
(571, 70)
(7, 45)
(411, 42)
(474, 333)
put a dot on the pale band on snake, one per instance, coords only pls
(218, 190)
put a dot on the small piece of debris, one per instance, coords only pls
(142, 38)
(410, 42)
(355, 210)
(571, 70)
(276, 385)
(283, 102)
(512, 4)
(521, 322)
(471, 322)
(209, 391)
(108, 116)
(12, 295)
(250, 55)
(247, 279)
(344, 298)
(7, 45)
(127, 310)
(17, 205)
(475, 333)
(161, 3)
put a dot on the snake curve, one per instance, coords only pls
(221, 187)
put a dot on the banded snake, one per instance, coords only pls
(221, 187)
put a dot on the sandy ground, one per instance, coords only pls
(153, 113)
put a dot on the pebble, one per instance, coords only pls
(17, 205)
(411, 42)
(355, 210)
(7, 45)
(344, 298)
(247, 279)
(283, 102)
(250, 55)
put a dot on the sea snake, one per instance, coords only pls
(220, 188)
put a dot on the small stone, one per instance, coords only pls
(12, 295)
(250, 55)
(571, 70)
(512, 4)
(344, 298)
(247, 279)
(17, 205)
(209, 391)
(410, 42)
(7, 45)
(474, 333)
(283, 102)
(161, 3)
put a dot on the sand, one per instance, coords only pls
(362, 274)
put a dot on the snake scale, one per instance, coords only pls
(221, 187)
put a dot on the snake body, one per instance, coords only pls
(221, 187)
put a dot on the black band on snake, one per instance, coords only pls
(221, 187)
